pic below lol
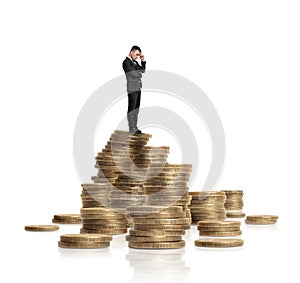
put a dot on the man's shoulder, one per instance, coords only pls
(126, 59)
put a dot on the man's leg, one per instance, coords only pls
(133, 104)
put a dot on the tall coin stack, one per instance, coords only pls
(234, 203)
(169, 186)
(157, 227)
(207, 205)
(111, 186)
(128, 187)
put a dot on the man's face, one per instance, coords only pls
(135, 54)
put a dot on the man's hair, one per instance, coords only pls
(135, 47)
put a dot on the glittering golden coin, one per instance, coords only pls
(104, 231)
(153, 221)
(105, 226)
(67, 216)
(219, 243)
(153, 239)
(85, 238)
(262, 217)
(153, 209)
(41, 228)
(83, 245)
(57, 221)
(153, 233)
(218, 229)
(219, 223)
(162, 215)
(105, 221)
(261, 221)
(100, 211)
(220, 234)
(161, 226)
(235, 214)
(157, 245)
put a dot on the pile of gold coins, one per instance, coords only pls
(137, 189)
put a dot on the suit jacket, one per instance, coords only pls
(133, 74)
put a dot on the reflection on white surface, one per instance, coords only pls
(158, 265)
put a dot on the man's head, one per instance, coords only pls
(135, 52)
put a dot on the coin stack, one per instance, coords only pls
(84, 241)
(157, 227)
(66, 219)
(261, 219)
(169, 186)
(234, 203)
(128, 187)
(121, 148)
(207, 205)
(219, 229)
(101, 220)
(95, 194)
(112, 188)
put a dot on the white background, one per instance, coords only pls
(243, 54)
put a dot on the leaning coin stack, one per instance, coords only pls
(122, 147)
(101, 220)
(234, 203)
(169, 186)
(207, 205)
(66, 219)
(84, 241)
(261, 219)
(219, 229)
(157, 227)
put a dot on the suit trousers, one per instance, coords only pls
(134, 100)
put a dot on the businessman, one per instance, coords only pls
(133, 71)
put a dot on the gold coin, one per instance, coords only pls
(262, 217)
(67, 216)
(235, 214)
(41, 228)
(105, 226)
(85, 238)
(83, 245)
(154, 221)
(161, 215)
(152, 233)
(260, 222)
(153, 239)
(159, 245)
(161, 226)
(219, 243)
(57, 221)
(219, 223)
(220, 234)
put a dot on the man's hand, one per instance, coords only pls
(142, 57)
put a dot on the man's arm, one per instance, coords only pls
(128, 68)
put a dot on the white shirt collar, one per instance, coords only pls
(130, 58)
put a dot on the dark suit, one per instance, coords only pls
(133, 72)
